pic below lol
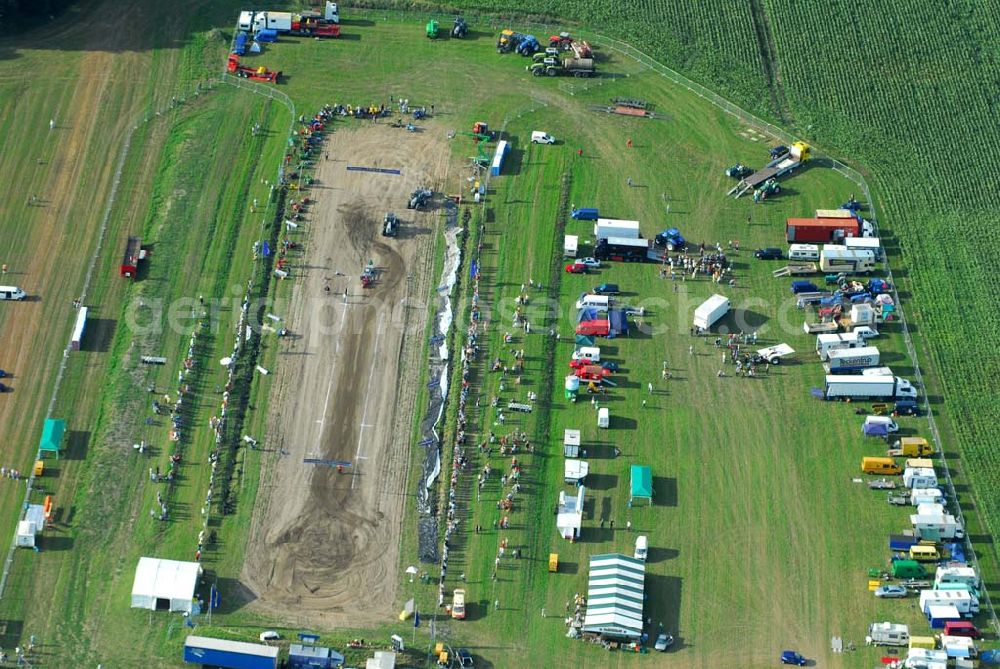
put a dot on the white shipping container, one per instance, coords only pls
(613, 227)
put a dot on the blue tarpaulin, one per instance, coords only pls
(473, 268)
(618, 321)
(586, 314)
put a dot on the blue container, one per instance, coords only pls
(585, 214)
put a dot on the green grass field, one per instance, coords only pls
(760, 539)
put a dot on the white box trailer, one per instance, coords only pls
(964, 575)
(29, 528)
(710, 311)
(833, 341)
(920, 496)
(250, 21)
(839, 258)
(571, 443)
(889, 634)
(851, 360)
(963, 600)
(862, 386)
(919, 477)
(613, 227)
(570, 245)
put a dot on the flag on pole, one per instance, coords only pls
(416, 618)
(215, 597)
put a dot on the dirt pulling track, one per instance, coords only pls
(324, 545)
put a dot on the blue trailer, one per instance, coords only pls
(584, 214)
(901, 542)
(210, 652)
(503, 147)
(804, 287)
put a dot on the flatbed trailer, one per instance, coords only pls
(783, 164)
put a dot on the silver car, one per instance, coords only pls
(891, 591)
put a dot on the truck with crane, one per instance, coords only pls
(782, 162)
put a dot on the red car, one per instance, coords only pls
(576, 268)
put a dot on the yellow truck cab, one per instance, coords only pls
(880, 466)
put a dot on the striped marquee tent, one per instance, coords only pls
(614, 596)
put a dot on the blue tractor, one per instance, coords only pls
(528, 45)
(672, 239)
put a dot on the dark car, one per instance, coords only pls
(609, 365)
(606, 289)
(906, 408)
(4, 388)
(770, 253)
(791, 657)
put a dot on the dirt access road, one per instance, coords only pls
(324, 546)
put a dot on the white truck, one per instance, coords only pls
(254, 21)
(839, 258)
(889, 634)
(851, 360)
(937, 527)
(919, 477)
(833, 341)
(964, 575)
(865, 227)
(861, 386)
(613, 227)
(963, 600)
(571, 243)
(710, 311)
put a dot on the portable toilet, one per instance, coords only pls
(572, 386)
(641, 547)
(571, 443)
(603, 417)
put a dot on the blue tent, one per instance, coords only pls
(587, 314)
(618, 322)
(240, 47)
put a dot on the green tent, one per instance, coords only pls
(642, 485)
(52, 435)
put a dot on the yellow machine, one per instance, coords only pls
(553, 562)
(39, 467)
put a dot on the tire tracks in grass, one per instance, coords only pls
(769, 62)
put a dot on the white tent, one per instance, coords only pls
(569, 518)
(574, 471)
(614, 596)
(165, 585)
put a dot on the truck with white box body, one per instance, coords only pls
(873, 244)
(710, 311)
(862, 386)
(825, 343)
(963, 600)
(851, 360)
(937, 527)
(613, 227)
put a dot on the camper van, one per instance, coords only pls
(803, 252)
(587, 354)
(12, 293)
(889, 634)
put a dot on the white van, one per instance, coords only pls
(803, 252)
(599, 302)
(588, 354)
(641, 547)
(891, 426)
(12, 293)
(539, 137)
